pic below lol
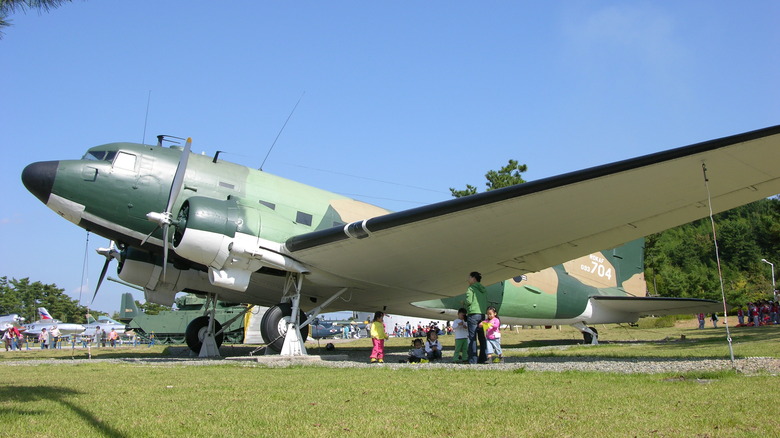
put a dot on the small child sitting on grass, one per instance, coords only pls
(417, 353)
(432, 346)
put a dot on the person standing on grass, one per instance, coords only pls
(55, 337)
(701, 321)
(378, 337)
(112, 337)
(492, 327)
(461, 330)
(98, 336)
(475, 304)
(42, 338)
(714, 318)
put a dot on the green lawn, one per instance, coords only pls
(245, 399)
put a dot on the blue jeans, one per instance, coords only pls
(476, 333)
(494, 346)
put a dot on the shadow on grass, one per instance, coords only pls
(21, 394)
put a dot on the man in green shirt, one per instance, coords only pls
(476, 304)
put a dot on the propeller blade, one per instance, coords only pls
(165, 249)
(109, 253)
(178, 182)
(100, 280)
(178, 178)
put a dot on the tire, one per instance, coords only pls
(588, 337)
(196, 330)
(273, 331)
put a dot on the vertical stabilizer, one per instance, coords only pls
(128, 310)
(44, 314)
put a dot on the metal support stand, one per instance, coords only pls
(293, 342)
(209, 347)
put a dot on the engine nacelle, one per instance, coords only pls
(206, 227)
(223, 235)
(142, 269)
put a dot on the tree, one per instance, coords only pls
(8, 7)
(151, 308)
(24, 298)
(508, 175)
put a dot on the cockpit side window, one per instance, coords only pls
(99, 156)
(125, 161)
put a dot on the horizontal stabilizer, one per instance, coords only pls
(657, 306)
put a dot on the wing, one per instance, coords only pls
(531, 226)
(658, 306)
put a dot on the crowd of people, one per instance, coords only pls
(762, 312)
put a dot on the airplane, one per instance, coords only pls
(105, 323)
(10, 320)
(321, 330)
(187, 222)
(47, 322)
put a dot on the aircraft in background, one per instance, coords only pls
(10, 320)
(321, 330)
(105, 323)
(46, 321)
(247, 236)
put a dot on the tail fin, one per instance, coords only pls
(629, 262)
(43, 313)
(128, 309)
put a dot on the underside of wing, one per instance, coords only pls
(531, 226)
(658, 306)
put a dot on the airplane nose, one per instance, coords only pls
(39, 178)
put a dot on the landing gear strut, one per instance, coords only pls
(285, 326)
(589, 334)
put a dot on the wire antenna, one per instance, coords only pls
(146, 118)
(280, 131)
(720, 271)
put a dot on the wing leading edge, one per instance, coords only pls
(538, 224)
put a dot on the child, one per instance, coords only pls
(491, 326)
(432, 346)
(417, 353)
(461, 330)
(378, 337)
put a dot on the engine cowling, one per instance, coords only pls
(224, 235)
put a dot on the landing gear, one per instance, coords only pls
(274, 325)
(589, 334)
(197, 330)
(589, 338)
(285, 326)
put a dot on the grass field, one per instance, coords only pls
(86, 398)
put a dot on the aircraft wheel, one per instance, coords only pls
(273, 326)
(196, 331)
(588, 337)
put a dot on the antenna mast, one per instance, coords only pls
(280, 131)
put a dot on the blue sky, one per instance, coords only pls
(402, 99)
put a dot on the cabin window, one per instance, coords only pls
(125, 161)
(303, 218)
(270, 205)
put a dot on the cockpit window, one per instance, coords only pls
(99, 156)
(125, 161)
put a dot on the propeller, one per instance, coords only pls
(165, 219)
(109, 253)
